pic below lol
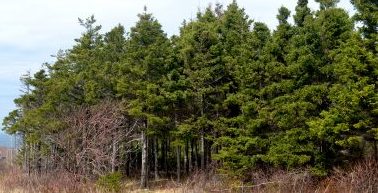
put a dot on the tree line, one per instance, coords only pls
(226, 92)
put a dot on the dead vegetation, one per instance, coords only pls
(93, 139)
(360, 177)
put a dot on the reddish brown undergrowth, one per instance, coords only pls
(359, 177)
(14, 180)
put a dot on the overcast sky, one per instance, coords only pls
(33, 30)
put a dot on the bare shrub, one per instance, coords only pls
(361, 177)
(92, 139)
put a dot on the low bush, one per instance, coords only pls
(110, 182)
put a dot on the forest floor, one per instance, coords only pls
(361, 176)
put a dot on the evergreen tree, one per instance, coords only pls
(341, 130)
(226, 89)
(367, 14)
(199, 54)
(143, 71)
(302, 11)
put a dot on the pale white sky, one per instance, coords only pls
(32, 30)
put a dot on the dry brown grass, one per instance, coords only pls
(361, 177)
(13, 180)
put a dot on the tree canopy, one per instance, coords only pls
(226, 90)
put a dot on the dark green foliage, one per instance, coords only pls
(226, 89)
(110, 182)
(367, 14)
(301, 12)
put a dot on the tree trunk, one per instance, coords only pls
(190, 157)
(209, 152)
(178, 151)
(163, 154)
(39, 158)
(166, 156)
(156, 172)
(186, 158)
(202, 151)
(144, 166)
(195, 155)
(202, 139)
(26, 158)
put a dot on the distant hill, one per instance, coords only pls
(5, 140)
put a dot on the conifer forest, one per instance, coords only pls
(226, 94)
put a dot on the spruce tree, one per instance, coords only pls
(142, 73)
